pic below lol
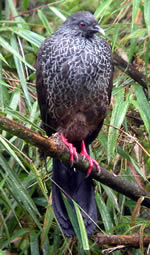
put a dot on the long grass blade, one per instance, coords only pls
(45, 22)
(9, 48)
(147, 14)
(19, 191)
(84, 237)
(106, 218)
(20, 71)
(117, 118)
(142, 105)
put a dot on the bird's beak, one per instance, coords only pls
(99, 30)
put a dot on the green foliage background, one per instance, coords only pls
(27, 222)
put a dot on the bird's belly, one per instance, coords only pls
(77, 113)
(78, 125)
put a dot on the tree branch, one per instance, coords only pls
(130, 70)
(54, 147)
(134, 240)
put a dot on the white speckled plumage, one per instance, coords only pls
(74, 69)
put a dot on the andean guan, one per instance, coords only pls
(74, 74)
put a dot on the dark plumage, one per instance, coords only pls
(74, 83)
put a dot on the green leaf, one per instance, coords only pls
(39, 180)
(115, 36)
(147, 14)
(3, 252)
(20, 71)
(84, 237)
(72, 217)
(30, 36)
(142, 105)
(112, 196)
(2, 95)
(14, 101)
(20, 117)
(123, 153)
(103, 7)
(9, 48)
(18, 233)
(19, 191)
(139, 33)
(3, 83)
(8, 201)
(12, 7)
(136, 4)
(45, 22)
(137, 168)
(133, 43)
(58, 13)
(48, 218)
(13, 104)
(107, 221)
(147, 54)
(117, 118)
(26, 4)
(129, 158)
(3, 59)
(10, 151)
(34, 243)
(14, 11)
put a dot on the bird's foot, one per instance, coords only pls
(72, 149)
(90, 159)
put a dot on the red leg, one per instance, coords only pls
(72, 149)
(91, 160)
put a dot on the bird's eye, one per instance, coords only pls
(82, 24)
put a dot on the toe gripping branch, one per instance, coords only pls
(84, 153)
(90, 159)
(72, 149)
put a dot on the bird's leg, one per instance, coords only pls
(72, 149)
(91, 160)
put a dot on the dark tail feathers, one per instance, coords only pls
(80, 189)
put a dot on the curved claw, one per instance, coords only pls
(72, 149)
(91, 160)
(91, 163)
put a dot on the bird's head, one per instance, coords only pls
(84, 22)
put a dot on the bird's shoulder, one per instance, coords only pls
(60, 43)
(64, 46)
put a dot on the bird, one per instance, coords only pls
(74, 79)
